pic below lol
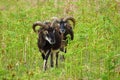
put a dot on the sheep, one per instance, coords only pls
(49, 41)
(65, 29)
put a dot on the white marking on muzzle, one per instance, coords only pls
(49, 40)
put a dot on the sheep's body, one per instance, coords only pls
(69, 31)
(44, 45)
(49, 43)
(65, 29)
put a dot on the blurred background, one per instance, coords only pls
(94, 54)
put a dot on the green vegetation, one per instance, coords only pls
(94, 54)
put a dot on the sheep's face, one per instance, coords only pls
(49, 35)
(63, 26)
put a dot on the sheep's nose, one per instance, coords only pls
(52, 41)
(62, 30)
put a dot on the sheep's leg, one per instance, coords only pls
(71, 34)
(66, 42)
(43, 56)
(65, 49)
(45, 60)
(57, 59)
(45, 65)
(51, 60)
(62, 58)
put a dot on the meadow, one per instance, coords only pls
(94, 54)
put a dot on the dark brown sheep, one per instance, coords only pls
(65, 28)
(49, 41)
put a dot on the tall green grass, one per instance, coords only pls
(94, 54)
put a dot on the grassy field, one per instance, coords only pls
(94, 54)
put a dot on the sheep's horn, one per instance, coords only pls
(70, 18)
(54, 22)
(55, 18)
(47, 22)
(38, 23)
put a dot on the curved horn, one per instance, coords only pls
(55, 18)
(53, 24)
(70, 18)
(38, 23)
(47, 22)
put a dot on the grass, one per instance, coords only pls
(94, 54)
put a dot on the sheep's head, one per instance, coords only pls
(49, 35)
(63, 22)
(47, 31)
(63, 25)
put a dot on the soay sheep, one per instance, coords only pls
(65, 28)
(49, 41)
